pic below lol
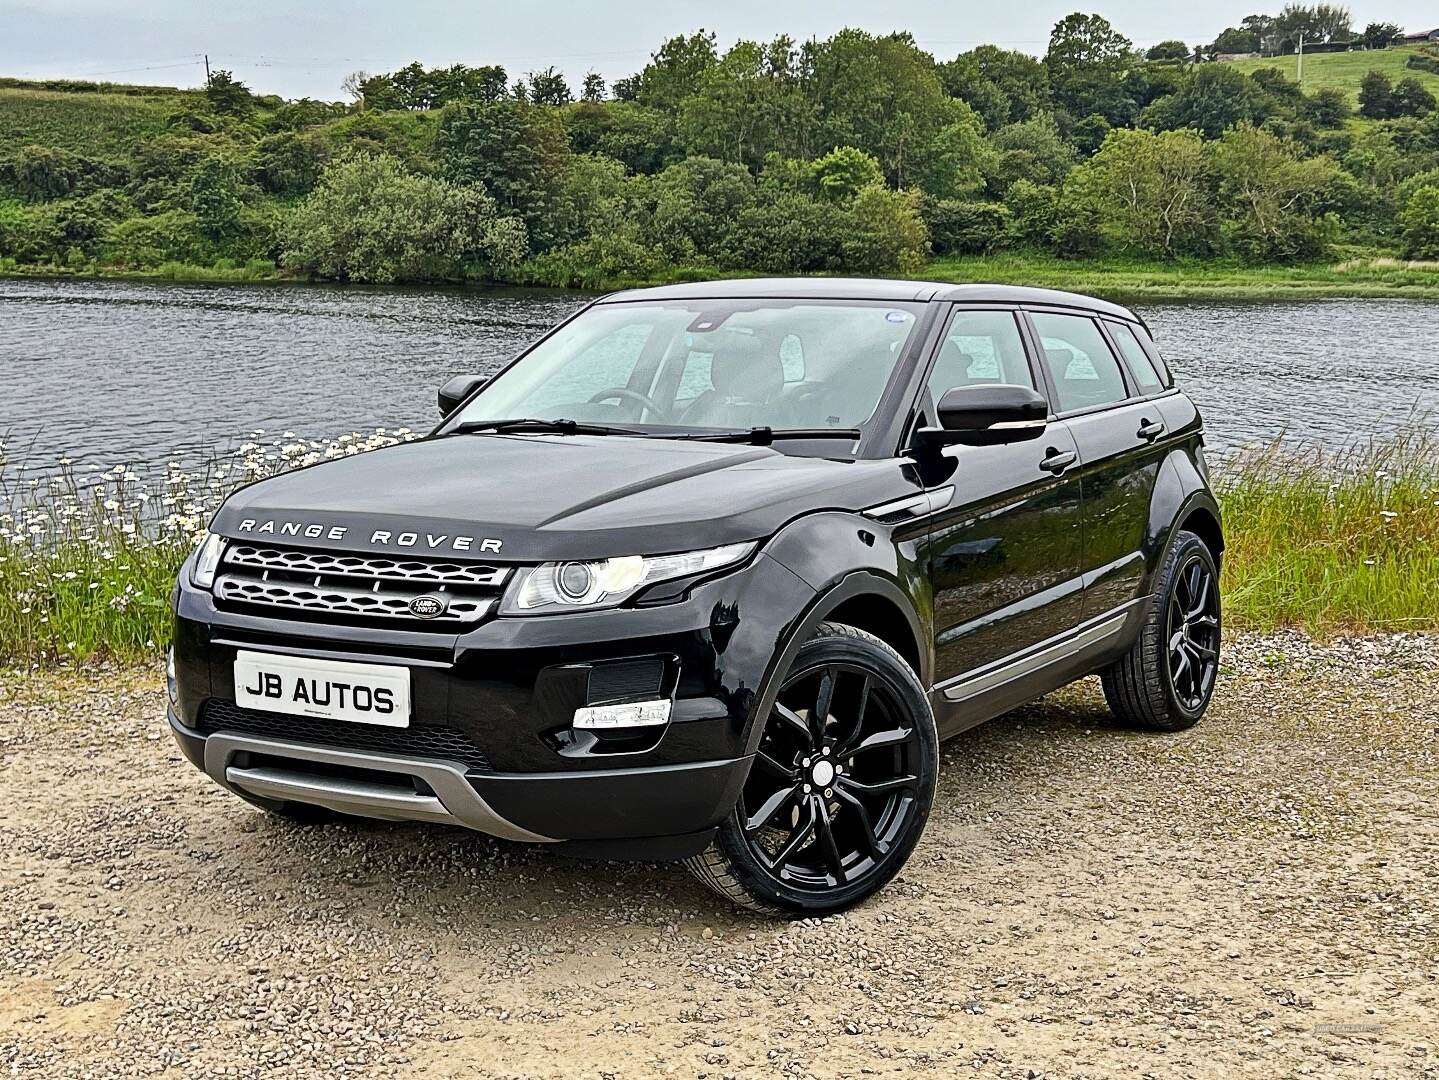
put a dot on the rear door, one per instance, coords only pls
(1095, 386)
(1005, 547)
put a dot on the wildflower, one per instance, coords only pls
(1388, 514)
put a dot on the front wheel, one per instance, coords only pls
(841, 785)
(1165, 680)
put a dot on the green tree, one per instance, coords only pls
(789, 233)
(695, 205)
(369, 220)
(548, 87)
(1087, 61)
(1033, 212)
(674, 72)
(1270, 196)
(228, 95)
(1327, 108)
(1234, 40)
(1419, 222)
(593, 88)
(881, 95)
(290, 162)
(1003, 86)
(518, 151)
(885, 233)
(964, 227)
(1212, 98)
(844, 171)
(1168, 51)
(1411, 98)
(1380, 35)
(642, 139)
(1146, 193)
(750, 103)
(1376, 96)
(1031, 150)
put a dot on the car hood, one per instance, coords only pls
(531, 498)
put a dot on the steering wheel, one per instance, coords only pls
(626, 393)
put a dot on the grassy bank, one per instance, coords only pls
(1356, 277)
(1328, 543)
(1374, 278)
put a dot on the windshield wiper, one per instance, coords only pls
(763, 436)
(528, 425)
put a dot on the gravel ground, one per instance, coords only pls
(1254, 897)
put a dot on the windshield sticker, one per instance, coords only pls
(897, 316)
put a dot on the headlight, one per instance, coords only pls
(207, 561)
(573, 586)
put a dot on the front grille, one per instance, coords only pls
(356, 587)
(436, 742)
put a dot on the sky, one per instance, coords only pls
(305, 49)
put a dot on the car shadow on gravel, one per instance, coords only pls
(423, 872)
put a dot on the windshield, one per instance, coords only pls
(708, 365)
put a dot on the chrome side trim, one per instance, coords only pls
(455, 802)
(971, 683)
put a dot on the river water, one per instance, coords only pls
(114, 373)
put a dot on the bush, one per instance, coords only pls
(957, 227)
(369, 220)
(1420, 224)
(788, 233)
(1033, 212)
(886, 234)
(144, 243)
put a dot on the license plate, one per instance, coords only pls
(332, 689)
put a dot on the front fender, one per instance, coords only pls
(844, 557)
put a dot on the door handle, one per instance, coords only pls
(1058, 460)
(1149, 430)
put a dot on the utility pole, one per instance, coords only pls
(207, 69)
(1299, 73)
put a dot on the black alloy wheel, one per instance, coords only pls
(841, 785)
(1192, 632)
(1166, 678)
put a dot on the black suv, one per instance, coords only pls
(708, 572)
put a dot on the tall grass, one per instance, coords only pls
(88, 556)
(1328, 542)
(1344, 540)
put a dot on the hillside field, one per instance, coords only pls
(1344, 70)
(92, 124)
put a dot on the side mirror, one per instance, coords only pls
(987, 414)
(457, 389)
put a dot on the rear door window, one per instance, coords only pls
(1136, 359)
(1084, 370)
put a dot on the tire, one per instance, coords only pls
(826, 847)
(1166, 679)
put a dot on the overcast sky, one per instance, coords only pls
(305, 49)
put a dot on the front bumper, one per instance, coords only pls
(627, 804)
(508, 687)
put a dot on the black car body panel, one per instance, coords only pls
(997, 572)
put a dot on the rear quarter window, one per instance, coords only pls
(1146, 376)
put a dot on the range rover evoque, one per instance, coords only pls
(707, 573)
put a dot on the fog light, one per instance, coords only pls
(630, 714)
(172, 685)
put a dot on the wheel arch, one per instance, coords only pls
(864, 600)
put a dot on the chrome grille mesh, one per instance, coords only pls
(348, 586)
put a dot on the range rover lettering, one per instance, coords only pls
(707, 573)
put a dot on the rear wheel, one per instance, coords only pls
(841, 784)
(1165, 680)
